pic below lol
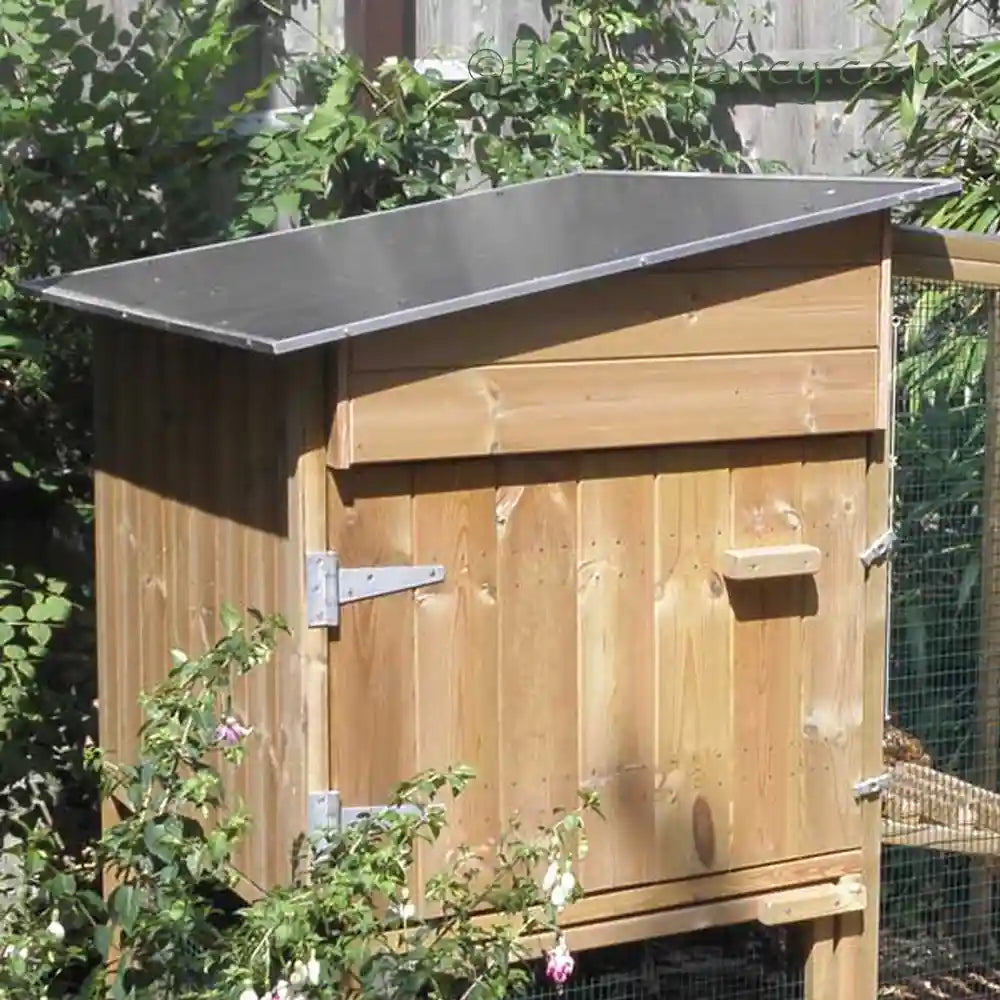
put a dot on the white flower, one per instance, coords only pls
(562, 890)
(280, 991)
(55, 928)
(249, 994)
(312, 970)
(551, 875)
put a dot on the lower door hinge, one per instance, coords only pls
(879, 550)
(872, 787)
(326, 812)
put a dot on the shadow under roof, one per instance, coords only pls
(290, 290)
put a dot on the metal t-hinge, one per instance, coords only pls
(327, 813)
(879, 549)
(872, 787)
(328, 586)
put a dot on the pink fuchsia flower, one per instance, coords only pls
(230, 731)
(560, 963)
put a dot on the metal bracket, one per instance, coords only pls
(872, 787)
(326, 812)
(328, 586)
(879, 549)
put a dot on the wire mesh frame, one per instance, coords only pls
(940, 934)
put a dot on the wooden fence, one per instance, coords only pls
(800, 118)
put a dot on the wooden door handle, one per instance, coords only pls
(770, 561)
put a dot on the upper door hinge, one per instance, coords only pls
(328, 586)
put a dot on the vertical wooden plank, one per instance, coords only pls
(767, 644)
(232, 450)
(536, 514)
(885, 408)
(615, 550)
(372, 693)
(341, 444)
(107, 424)
(834, 520)
(694, 753)
(376, 31)
(261, 464)
(147, 525)
(454, 521)
(177, 517)
(132, 672)
(859, 933)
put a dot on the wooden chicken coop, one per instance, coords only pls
(580, 481)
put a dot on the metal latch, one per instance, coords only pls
(870, 787)
(879, 549)
(326, 812)
(328, 586)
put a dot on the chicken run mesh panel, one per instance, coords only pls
(745, 962)
(941, 815)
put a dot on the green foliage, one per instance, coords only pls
(574, 101)
(344, 923)
(944, 118)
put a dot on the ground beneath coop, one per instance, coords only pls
(915, 968)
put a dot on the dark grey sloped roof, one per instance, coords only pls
(290, 290)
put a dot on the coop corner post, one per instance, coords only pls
(309, 403)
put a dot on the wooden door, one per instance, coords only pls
(585, 635)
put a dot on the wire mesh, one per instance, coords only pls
(743, 962)
(939, 928)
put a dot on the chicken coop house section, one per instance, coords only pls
(576, 481)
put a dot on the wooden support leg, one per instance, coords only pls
(821, 967)
(834, 947)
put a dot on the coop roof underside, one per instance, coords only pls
(295, 289)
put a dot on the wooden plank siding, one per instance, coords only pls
(739, 344)
(210, 481)
(583, 635)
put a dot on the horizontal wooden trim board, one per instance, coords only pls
(943, 255)
(763, 878)
(515, 409)
(646, 314)
(825, 883)
(825, 900)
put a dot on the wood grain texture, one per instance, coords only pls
(513, 409)
(669, 311)
(615, 547)
(204, 499)
(584, 636)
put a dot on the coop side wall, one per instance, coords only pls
(209, 488)
(774, 339)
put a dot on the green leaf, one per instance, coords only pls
(41, 633)
(125, 905)
(102, 940)
(53, 608)
(154, 837)
(11, 613)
